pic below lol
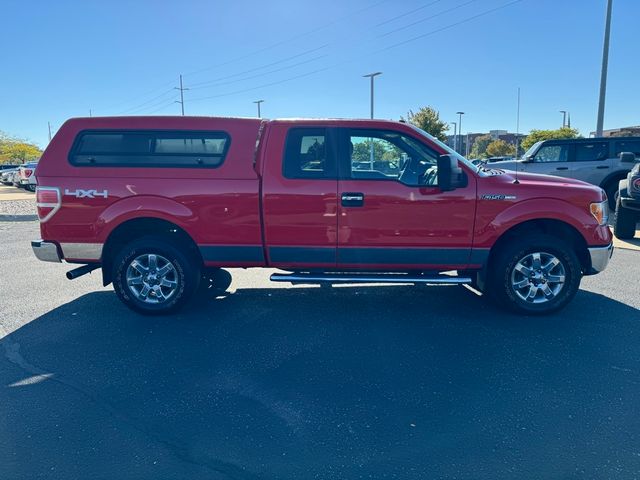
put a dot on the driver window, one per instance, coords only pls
(382, 155)
(552, 153)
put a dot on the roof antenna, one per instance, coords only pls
(517, 137)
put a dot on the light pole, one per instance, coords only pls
(603, 75)
(258, 102)
(459, 130)
(455, 135)
(564, 118)
(372, 76)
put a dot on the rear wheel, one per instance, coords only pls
(154, 277)
(625, 224)
(30, 188)
(537, 275)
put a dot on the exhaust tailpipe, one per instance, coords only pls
(83, 270)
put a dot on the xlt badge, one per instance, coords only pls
(498, 196)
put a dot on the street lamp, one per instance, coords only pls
(603, 73)
(460, 129)
(258, 102)
(372, 76)
(564, 118)
(455, 135)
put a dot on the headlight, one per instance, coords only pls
(600, 212)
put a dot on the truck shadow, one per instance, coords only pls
(334, 382)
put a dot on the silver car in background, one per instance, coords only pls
(593, 160)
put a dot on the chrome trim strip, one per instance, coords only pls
(366, 278)
(82, 251)
(600, 258)
(45, 251)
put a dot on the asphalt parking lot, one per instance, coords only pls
(269, 381)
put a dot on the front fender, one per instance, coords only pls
(143, 206)
(489, 230)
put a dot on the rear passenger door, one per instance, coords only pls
(299, 196)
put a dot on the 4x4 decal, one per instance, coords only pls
(78, 193)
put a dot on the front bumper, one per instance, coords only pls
(599, 258)
(46, 251)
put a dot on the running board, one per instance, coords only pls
(368, 278)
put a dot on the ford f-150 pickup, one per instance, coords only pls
(158, 202)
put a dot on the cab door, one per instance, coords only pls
(392, 214)
(299, 196)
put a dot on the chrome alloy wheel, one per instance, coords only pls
(151, 278)
(538, 277)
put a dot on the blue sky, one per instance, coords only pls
(306, 59)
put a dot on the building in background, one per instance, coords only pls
(620, 132)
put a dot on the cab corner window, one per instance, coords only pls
(388, 155)
(308, 154)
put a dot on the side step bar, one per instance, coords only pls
(368, 278)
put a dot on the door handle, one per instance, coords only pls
(562, 168)
(602, 167)
(352, 199)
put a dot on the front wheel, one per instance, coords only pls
(537, 275)
(153, 277)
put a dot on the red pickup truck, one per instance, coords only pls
(157, 202)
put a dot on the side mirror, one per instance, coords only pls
(627, 157)
(450, 175)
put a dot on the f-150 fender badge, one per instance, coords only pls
(78, 193)
(496, 196)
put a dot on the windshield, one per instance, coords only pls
(531, 150)
(446, 147)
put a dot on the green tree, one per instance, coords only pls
(500, 148)
(479, 149)
(12, 149)
(428, 119)
(362, 151)
(539, 135)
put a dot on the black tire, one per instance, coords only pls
(30, 188)
(185, 273)
(611, 190)
(503, 264)
(625, 222)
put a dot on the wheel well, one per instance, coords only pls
(131, 230)
(614, 178)
(556, 228)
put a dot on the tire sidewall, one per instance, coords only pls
(187, 275)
